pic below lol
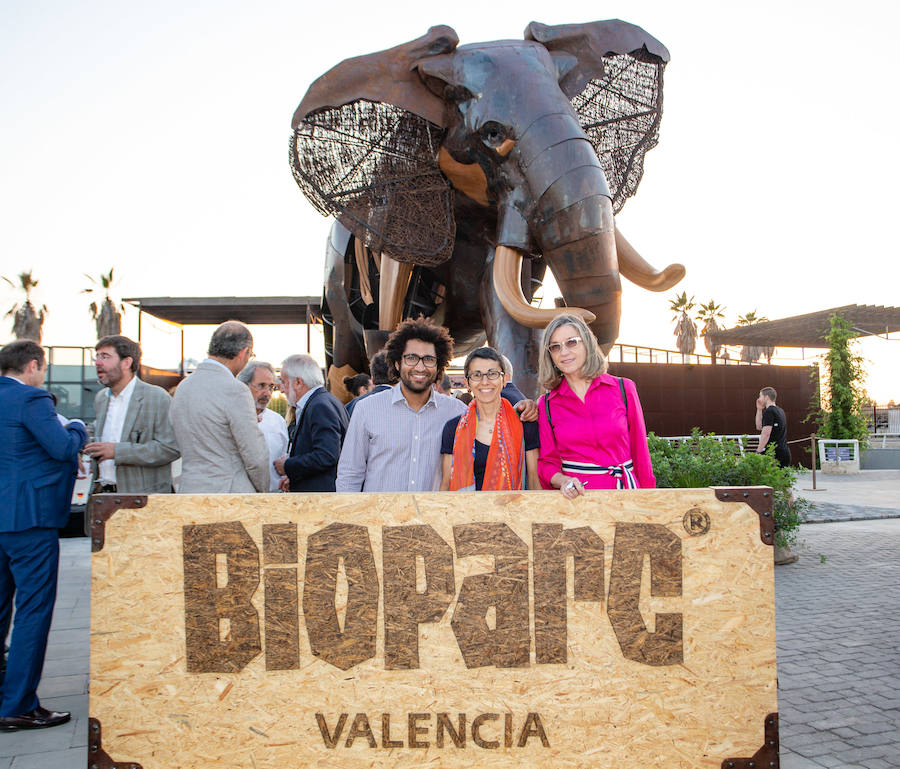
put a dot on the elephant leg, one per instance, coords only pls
(347, 356)
(517, 342)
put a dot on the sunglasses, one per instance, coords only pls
(556, 348)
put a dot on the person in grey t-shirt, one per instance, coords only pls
(393, 442)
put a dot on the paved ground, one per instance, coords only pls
(64, 684)
(873, 494)
(837, 629)
(838, 656)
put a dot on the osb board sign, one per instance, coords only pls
(623, 629)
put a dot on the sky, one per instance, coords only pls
(153, 138)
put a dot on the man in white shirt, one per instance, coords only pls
(135, 444)
(259, 376)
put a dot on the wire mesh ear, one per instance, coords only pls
(616, 89)
(620, 112)
(374, 167)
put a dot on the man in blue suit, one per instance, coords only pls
(38, 463)
(321, 422)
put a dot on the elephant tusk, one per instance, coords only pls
(507, 284)
(633, 266)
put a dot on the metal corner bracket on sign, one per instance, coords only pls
(102, 507)
(99, 758)
(760, 500)
(764, 758)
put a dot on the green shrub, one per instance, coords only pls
(704, 460)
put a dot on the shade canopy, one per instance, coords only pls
(811, 330)
(212, 310)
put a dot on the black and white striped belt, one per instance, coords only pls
(624, 473)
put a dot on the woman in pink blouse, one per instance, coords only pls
(591, 424)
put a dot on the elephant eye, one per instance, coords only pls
(493, 134)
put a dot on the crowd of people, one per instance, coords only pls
(402, 431)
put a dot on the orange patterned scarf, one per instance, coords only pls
(505, 461)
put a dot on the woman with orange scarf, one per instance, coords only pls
(488, 448)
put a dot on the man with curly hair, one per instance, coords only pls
(393, 442)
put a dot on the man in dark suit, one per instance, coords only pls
(38, 463)
(315, 447)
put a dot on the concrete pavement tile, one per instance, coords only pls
(80, 733)
(794, 729)
(866, 740)
(800, 741)
(27, 741)
(80, 637)
(835, 719)
(57, 651)
(878, 726)
(793, 761)
(880, 763)
(831, 761)
(856, 755)
(70, 621)
(59, 686)
(845, 732)
(823, 747)
(75, 758)
(62, 667)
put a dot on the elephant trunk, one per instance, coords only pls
(569, 214)
(586, 273)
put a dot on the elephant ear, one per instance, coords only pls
(364, 149)
(616, 89)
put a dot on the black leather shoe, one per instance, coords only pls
(39, 718)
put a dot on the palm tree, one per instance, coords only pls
(27, 322)
(685, 329)
(751, 353)
(709, 314)
(107, 316)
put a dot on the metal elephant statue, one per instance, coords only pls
(457, 174)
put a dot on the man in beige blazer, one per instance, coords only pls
(134, 444)
(222, 448)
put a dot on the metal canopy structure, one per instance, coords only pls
(212, 310)
(811, 330)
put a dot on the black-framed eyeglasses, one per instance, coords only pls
(477, 376)
(411, 359)
(571, 343)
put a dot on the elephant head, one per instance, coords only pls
(549, 131)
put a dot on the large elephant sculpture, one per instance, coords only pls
(457, 174)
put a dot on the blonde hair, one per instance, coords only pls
(594, 362)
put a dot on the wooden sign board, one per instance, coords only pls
(624, 629)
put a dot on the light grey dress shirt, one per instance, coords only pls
(390, 447)
(300, 406)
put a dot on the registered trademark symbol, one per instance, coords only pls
(696, 522)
